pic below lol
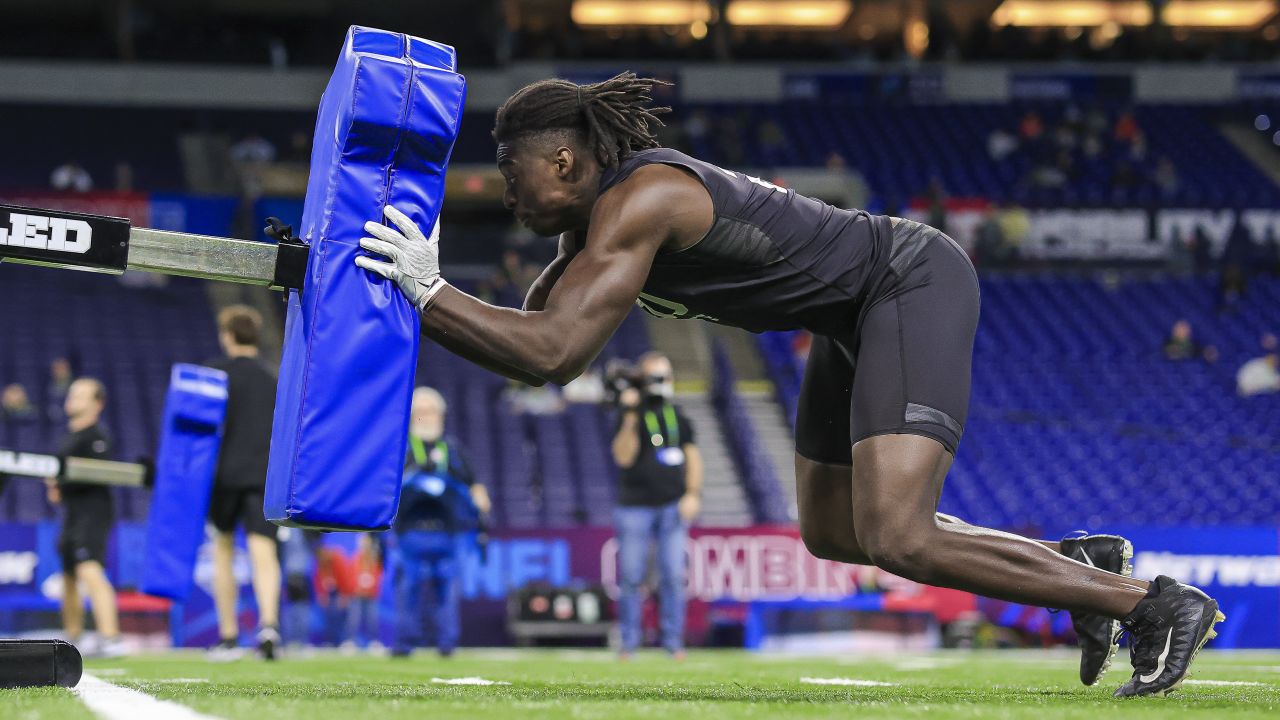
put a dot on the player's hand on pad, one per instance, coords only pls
(414, 258)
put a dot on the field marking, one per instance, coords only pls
(846, 681)
(1225, 682)
(917, 664)
(112, 702)
(172, 681)
(468, 681)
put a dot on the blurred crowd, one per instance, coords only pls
(1089, 146)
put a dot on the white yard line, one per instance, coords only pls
(112, 702)
(846, 681)
(467, 681)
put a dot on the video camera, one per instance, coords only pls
(620, 375)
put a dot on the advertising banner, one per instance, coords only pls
(727, 568)
(1106, 234)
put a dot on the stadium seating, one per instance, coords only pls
(1077, 417)
(899, 148)
(759, 480)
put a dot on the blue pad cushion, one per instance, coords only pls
(190, 438)
(385, 129)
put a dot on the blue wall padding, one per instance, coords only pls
(385, 129)
(190, 438)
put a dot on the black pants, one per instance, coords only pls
(229, 507)
(906, 365)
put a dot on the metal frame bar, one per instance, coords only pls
(74, 469)
(202, 256)
(100, 243)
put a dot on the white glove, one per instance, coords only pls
(415, 259)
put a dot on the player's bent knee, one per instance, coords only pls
(822, 544)
(903, 549)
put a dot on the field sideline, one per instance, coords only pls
(709, 685)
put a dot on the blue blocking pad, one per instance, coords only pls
(385, 129)
(190, 438)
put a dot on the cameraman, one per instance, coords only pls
(658, 496)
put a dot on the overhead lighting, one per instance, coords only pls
(1238, 14)
(640, 12)
(1071, 13)
(789, 13)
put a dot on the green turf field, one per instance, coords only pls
(710, 684)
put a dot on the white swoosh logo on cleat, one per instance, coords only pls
(1168, 641)
(1085, 555)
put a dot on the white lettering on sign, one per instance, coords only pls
(1224, 570)
(47, 233)
(28, 464)
(759, 567)
(17, 568)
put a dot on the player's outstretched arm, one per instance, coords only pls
(583, 308)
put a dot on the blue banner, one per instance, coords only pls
(19, 559)
(1237, 566)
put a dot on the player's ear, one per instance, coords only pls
(565, 162)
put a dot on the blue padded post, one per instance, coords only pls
(190, 438)
(385, 129)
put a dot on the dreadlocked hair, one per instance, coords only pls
(614, 116)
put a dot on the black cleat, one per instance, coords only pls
(1098, 634)
(268, 639)
(1166, 630)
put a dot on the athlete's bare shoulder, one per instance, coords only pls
(659, 200)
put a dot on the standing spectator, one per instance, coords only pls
(86, 522)
(238, 486)
(1180, 346)
(70, 177)
(1259, 376)
(297, 561)
(362, 615)
(440, 516)
(333, 587)
(660, 494)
